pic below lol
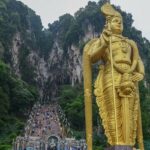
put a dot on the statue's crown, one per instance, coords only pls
(108, 10)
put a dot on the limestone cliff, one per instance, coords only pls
(52, 57)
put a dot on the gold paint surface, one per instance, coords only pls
(116, 86)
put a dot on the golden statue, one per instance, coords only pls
(116, 86)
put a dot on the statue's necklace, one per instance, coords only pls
(122, 43)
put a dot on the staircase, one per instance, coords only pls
(47, 129)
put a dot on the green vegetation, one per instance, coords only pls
(16, 99)
(18, 95)
(72, 102)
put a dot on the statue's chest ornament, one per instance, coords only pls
(121, 45)
(121, 52)
(124, 46)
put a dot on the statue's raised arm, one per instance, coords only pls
(116, 86)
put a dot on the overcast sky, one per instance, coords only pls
(50, 10)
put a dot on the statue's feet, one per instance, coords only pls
(119, 147)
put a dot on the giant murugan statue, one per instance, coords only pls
(116, 86)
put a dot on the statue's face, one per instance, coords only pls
(116, 25)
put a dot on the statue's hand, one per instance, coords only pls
(106, 36)
(137, 76)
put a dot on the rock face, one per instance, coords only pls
(60, 67)
(16, 43)
(52, 57)
(74, 63)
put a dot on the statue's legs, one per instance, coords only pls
(125, 119)
(110, 121)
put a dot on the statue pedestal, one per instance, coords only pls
(119, 147)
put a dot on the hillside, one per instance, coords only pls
(44, 64)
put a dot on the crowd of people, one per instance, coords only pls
(44, 121)
(44, 131)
